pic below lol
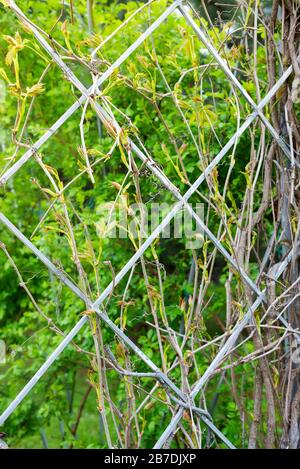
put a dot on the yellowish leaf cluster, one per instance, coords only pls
(15, 45)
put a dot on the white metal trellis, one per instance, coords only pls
(184, 401)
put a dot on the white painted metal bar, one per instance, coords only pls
(162, 377)
(42, 370)
(27, 155)
(203, 38)
(149, 162)
(156, 232)
(222, 353)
